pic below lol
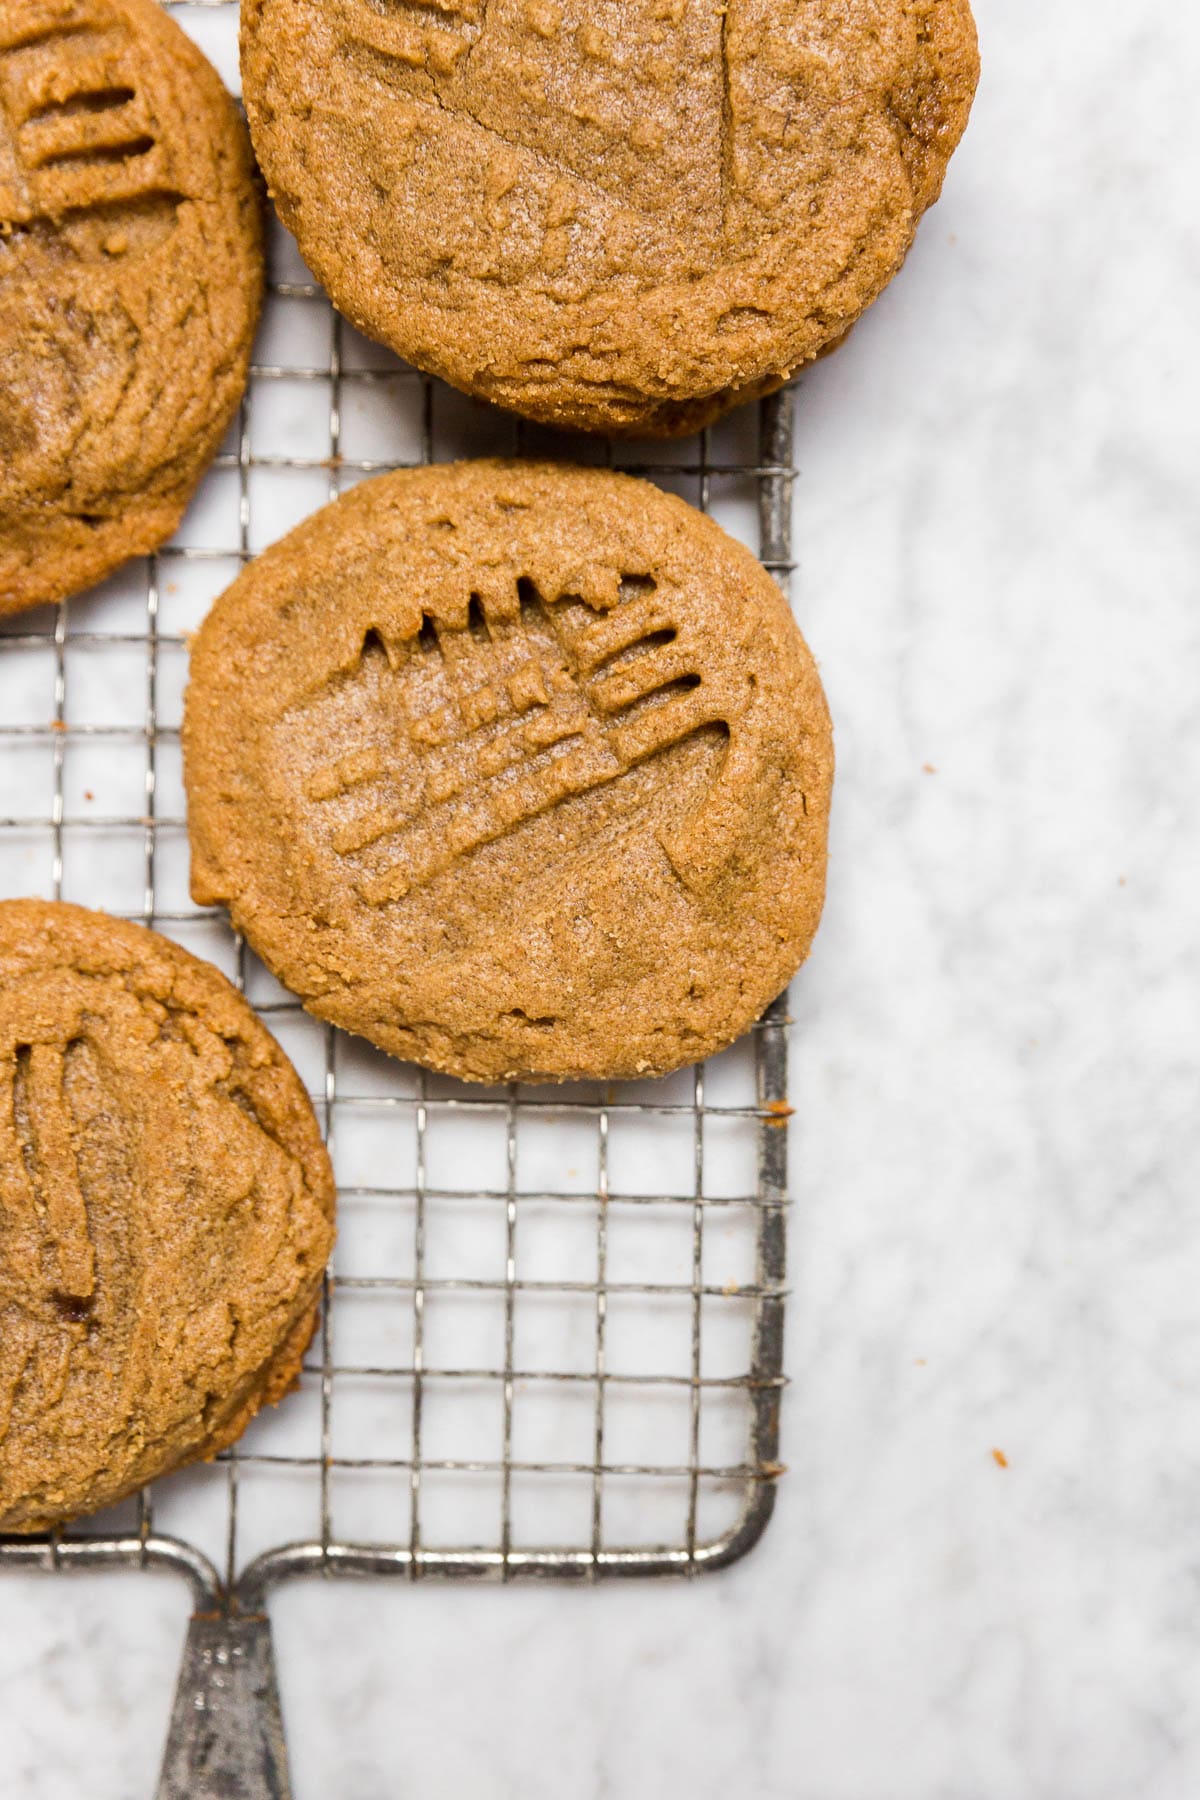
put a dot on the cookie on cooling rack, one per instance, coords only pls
(623, 217)
(166, 1210)
(130, 285)
(517, 770)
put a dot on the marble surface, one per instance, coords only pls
(996, 1241)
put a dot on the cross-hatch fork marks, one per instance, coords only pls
(41, 1125)
(465, 18)
(526, 740)
(407, 53)
(95, 125)
(83, 143)
(432, 101)
(726, 146)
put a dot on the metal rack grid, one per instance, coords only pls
(54, 842)
(552, 1330)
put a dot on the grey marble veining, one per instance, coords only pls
(996, 1244)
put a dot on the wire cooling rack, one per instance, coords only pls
(552, 1330)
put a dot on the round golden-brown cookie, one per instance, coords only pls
(518, 770)
(166, 1210)
(130, 285)
(617, 215)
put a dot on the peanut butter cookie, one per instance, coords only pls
(518, 770)
(130, 285)
(166, 1210)
(618, 215)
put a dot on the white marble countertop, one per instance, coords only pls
(996, 1242)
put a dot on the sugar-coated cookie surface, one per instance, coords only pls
(130, 285)
(166, 1211)
(620, 215)
(514, 769)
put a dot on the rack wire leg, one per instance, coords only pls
(225, 1740)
